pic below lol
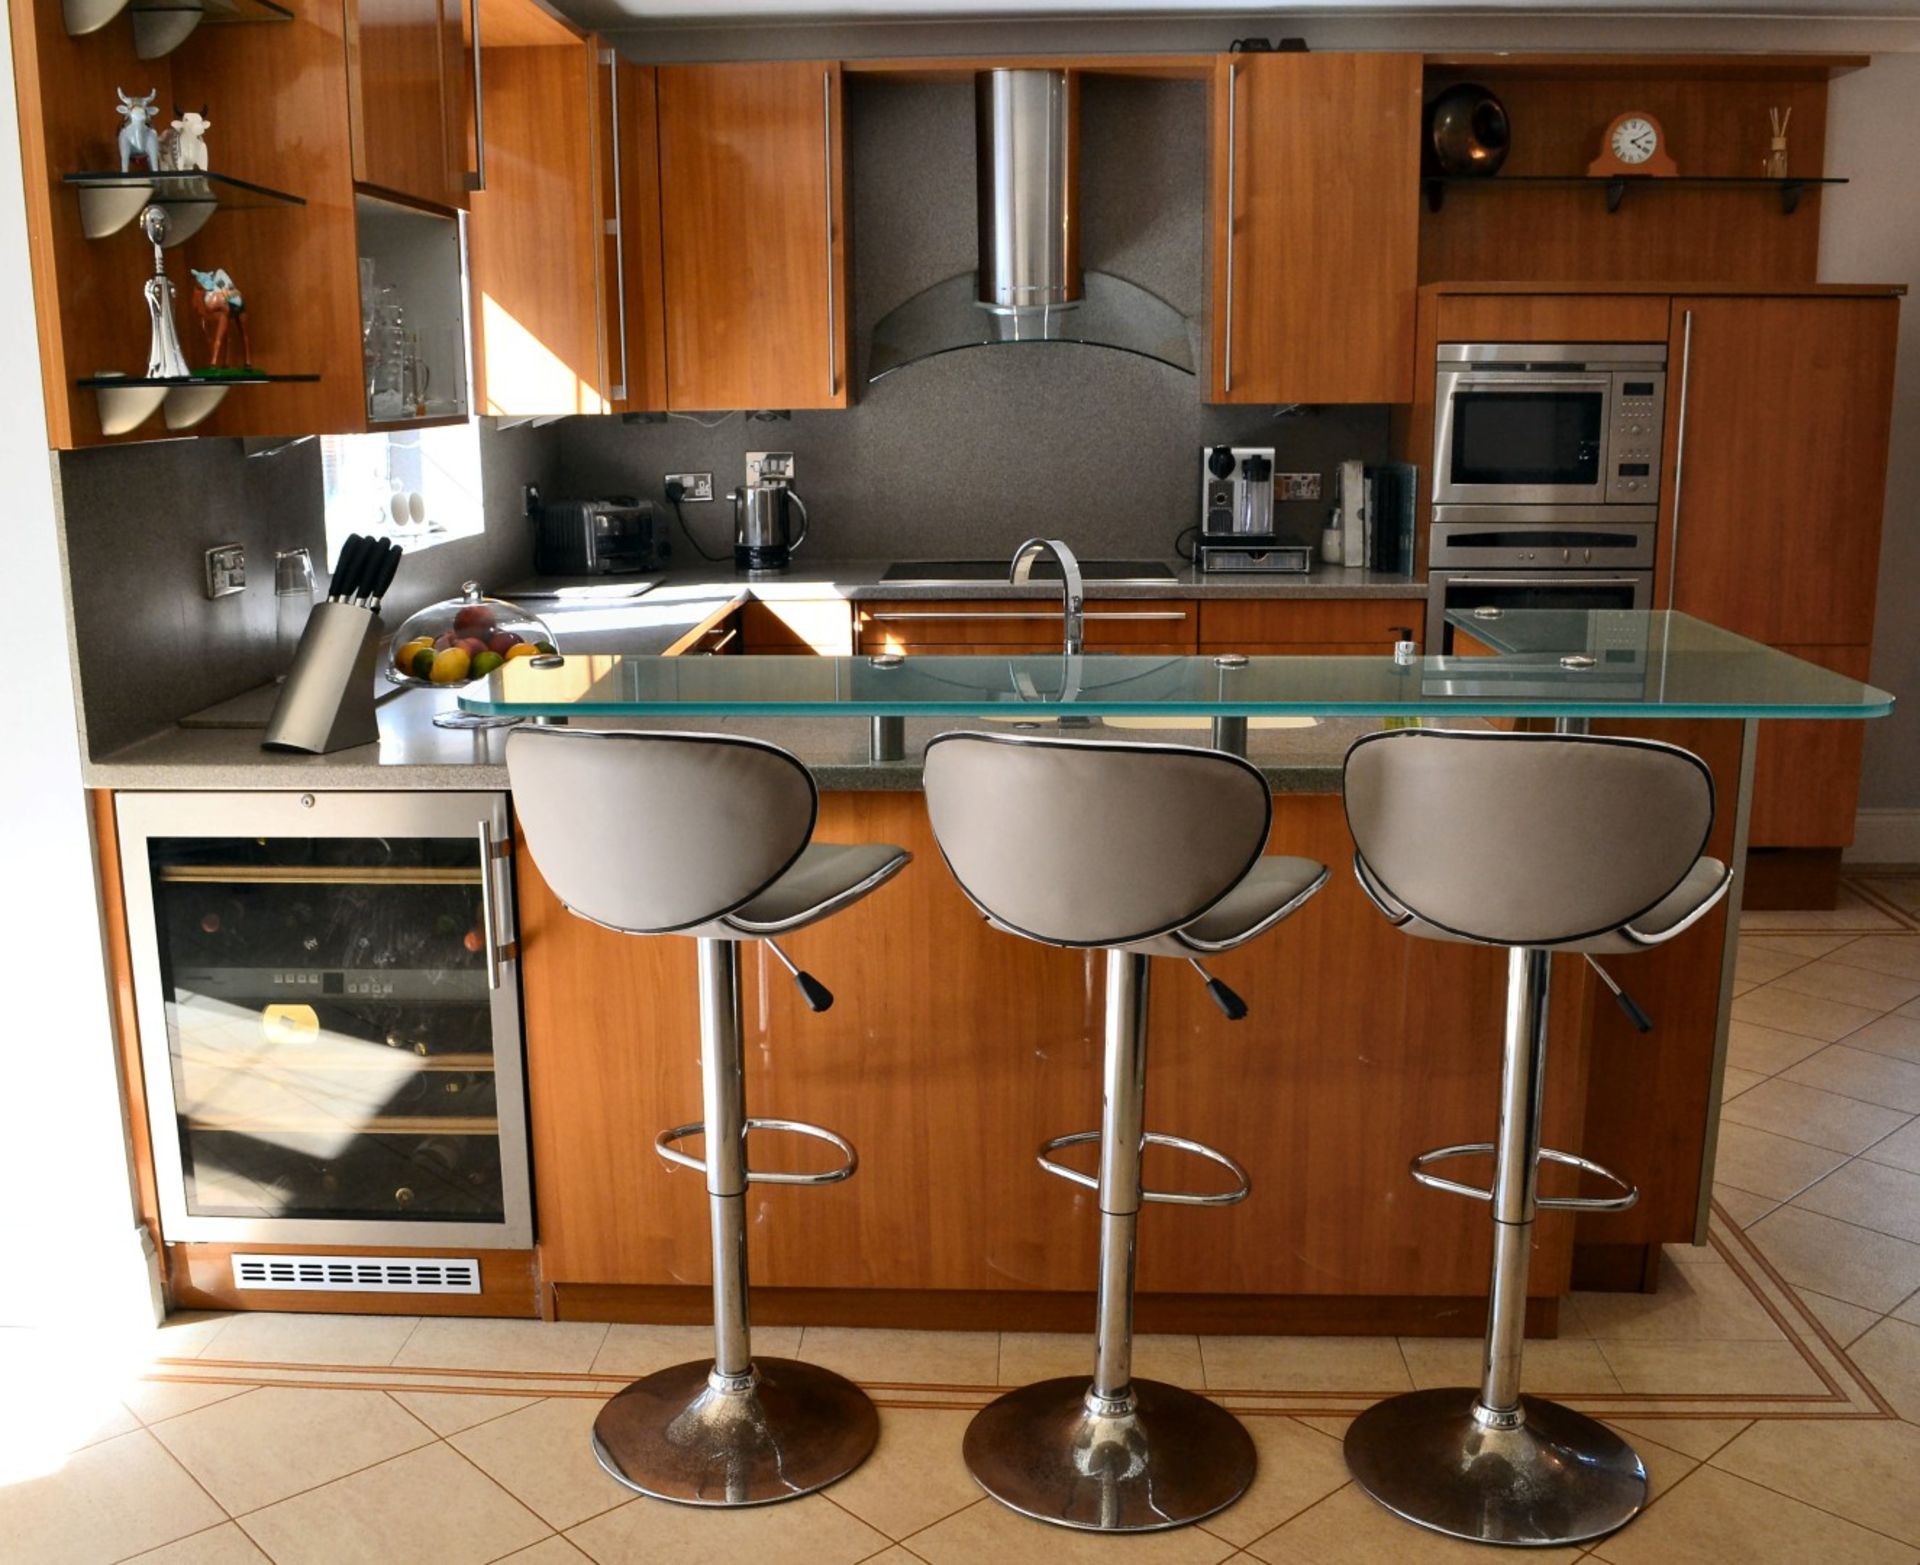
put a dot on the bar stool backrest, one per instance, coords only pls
(655, 832)
(1526, 839)
(1080, 843)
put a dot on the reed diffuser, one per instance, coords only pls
(1775, 166)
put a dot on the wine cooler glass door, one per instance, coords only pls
(329, 1016)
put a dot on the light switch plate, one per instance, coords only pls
(1296, 486)
(693, 486)
(226, 570)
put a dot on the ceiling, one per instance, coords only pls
(707, 12)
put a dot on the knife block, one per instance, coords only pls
(327, 702)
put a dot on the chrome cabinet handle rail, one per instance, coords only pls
(618, 391)
(826, 122)
(488, 929)
(1038, 614)
(1233, 85)
(1679, 461)
(477, 179)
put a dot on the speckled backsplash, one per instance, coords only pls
(970, 452)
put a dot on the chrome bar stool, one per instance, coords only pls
(738, 864)
(1142, 850)
(1539, 843)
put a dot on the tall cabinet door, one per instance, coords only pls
(752, 196)
(1316, 181)
(409, 97)
(1771, 524)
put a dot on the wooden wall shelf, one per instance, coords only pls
(128, 401)
(1616, 186)
(161, 26)
(109, 201)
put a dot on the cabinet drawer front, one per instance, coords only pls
(1553, 317)
(824, 629)
(1279, 624)
(989, 622)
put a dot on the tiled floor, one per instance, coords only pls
(1772, 1384)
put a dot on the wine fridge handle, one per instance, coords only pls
(489, 931)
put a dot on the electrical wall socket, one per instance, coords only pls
(693, 486)
(1296, 486)
(226, 570)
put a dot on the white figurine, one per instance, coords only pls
(137, 137)
(184, 146)
(165, 361)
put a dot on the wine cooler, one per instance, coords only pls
(329, 1006)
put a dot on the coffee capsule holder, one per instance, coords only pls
(326, 703)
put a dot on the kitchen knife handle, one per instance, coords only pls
(383, 577)
(346, 570)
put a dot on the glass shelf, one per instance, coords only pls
(110, 201)
(1616, 186)
(128, 401)
(161, 26)
(1571, 664)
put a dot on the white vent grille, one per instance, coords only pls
(356, 1274)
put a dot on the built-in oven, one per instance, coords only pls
(1523, 423)
(1492, 559)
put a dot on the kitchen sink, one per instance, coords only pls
(959, 572)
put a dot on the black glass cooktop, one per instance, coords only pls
(1043, 570)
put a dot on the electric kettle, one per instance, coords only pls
(763, 528)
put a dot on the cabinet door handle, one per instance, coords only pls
(1679, 461)
(1233, 84)
(477, 179)
(1038, 614)
(489, 930)
(826, 139)
(617, 392)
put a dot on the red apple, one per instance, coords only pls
(473, 646)
(502, 641)
(473, 619)
(443, 641)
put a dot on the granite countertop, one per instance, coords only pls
(220, 748)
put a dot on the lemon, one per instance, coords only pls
(403, 656)
(526, 649)
(450, 666)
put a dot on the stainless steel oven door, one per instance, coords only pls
(1520, 437)
(1497, 592)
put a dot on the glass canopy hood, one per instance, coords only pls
(1029, 286)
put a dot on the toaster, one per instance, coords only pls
(608, 537)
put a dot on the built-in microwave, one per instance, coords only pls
(1527, 423)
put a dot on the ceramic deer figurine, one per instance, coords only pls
(221, 311)
(138, 138)
(184, 146)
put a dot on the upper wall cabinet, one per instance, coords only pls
(409, 72)
(753, 235)
(1316, 178)
(546, 301)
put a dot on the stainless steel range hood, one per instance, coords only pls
(1029, 287)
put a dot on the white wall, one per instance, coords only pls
(1871, 233)
(64, 1193)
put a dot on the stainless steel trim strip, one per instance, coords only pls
(1679, 459)
(618, 391)
(487, 925)
(1233, 86)
(477, 178)
(1039, 614)
(1610, 355)
(826, 117)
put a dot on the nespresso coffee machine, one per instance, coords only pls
(1236, 514)
(764, 536)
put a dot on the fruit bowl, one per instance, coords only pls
(459, 640)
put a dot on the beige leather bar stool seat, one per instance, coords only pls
(708, 837)
(1141, 850)
(1538, 843)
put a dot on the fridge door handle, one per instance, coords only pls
(496, 948)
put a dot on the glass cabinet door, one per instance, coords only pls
(331, 1049)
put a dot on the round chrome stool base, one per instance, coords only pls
(792, 1429)
(1173, 1459)
(1558, 1478)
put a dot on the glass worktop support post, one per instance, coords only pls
(1230, 735)
(887, 739)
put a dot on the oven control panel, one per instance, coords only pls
(1634, 429)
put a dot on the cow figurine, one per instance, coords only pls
(184, 145)
(220, 309)
(138, 140)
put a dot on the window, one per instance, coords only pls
(363, 474)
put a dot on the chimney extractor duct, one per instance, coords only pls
(1029, 286)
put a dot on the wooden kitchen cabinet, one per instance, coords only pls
(1013, 627)
(1304, 627)
(1770, 526)
(410, 85)
(546, 290)
(1315, 217)
(753, 235)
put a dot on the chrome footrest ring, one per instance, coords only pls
(664, 1144)
(1243, 1181)
(1561, 1203)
